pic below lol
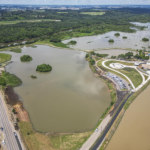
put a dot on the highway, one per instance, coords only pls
(10, 139)
(100, 140)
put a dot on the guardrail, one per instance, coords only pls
(142, 70)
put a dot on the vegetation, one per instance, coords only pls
(92, 13)
(98, 55)
(117, 34)
(4, 57)
(145, 39)
(32, 76)
(92, 61)
(72, 42)
(16, 50)
(2, 81)
(87, 55)
(73, 24)
(14, 111)
(25, 58)
(111, 40)
(44, 68)
(124, 37)
(50, 141)
(60, 44)
(11, 79)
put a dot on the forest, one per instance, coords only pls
(73, 23)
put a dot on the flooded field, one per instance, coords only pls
(133, 132)
(67, 99)
(134, 40)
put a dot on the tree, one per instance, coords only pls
(14, 111)
(25, 58)
(87, 55)
(129, 55)
(122, 56)
(44, 68)
(2, 81)
(92, 61)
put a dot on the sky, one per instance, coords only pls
(77, 2)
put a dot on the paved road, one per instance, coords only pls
(10, 140)
(99, 141)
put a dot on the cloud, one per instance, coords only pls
(76, 2)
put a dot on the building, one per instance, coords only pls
(146, 66)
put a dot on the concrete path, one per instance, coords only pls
(87, 145)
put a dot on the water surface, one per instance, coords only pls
(133, 132)
(67, 99)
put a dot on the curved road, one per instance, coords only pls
(10, 140)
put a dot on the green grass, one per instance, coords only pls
(4, 57)
(133, 74)
(34, 46)
(62, 12)
(60, 44)
(18, 21)
(16, 50)
(54, 141)
(11, 79)
(92, 13)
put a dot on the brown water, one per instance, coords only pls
(134, 40)
(67, 99)
(133, 132)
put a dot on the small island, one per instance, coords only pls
(44, 68)
(124, 37)
(32, 76)
(111, 40)
(145, 39)
(117, 34)
(25, 58)
(72, 42)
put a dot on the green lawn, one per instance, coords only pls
(92, 13)
(4, 57)
(62, 12)
(124, 63)
(17, 21)
(60, 44)
(134, 75)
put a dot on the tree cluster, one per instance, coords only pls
(25, 58)
(44, 68)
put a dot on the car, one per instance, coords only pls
(15, 133)
(96, 130)
(3, 142)
(1, 129)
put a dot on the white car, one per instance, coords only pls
(3, 142)
(96, 130)
(15, 133)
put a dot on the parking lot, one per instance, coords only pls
(120, 82)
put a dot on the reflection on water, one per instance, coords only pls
(133, 132)
(67, 99)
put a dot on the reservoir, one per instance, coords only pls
(133, 133)
(67, 99)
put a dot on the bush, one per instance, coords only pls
(44, 68)
(111, 40)
(2, 81)
(124, 37)
(92, 61)
(87, 55)
(145, 39)
(25, 58)
(32, 76)
(117, 34)
(72, 42)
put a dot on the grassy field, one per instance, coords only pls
(60, 44)
(11, 79)
(17, 21)
(55, 141)
(16, 50)
(134, 75)
(4, 57)
(92, 13)
(62, 12)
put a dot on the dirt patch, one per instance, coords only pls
(14, 101)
